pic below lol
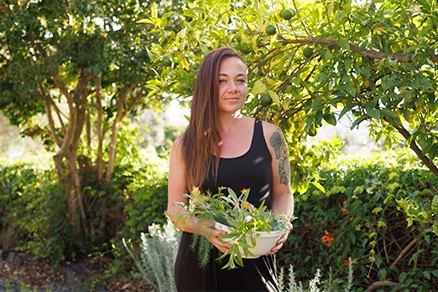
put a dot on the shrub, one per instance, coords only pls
(358, 216)
(157, 260)
(33, 204)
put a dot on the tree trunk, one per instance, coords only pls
(99, 128)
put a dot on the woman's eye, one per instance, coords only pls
(222, 81)
(241, 80)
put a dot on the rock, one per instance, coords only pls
(73, 276)
(5, 255)
(12, 257)
(5, 288)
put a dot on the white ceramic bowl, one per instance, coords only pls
(265, 241)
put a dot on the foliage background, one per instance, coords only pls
(373, 60)
(361, 211)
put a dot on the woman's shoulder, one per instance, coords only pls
(269, 128)
(178, 144)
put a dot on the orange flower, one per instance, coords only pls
(246, 205)
(327, 238)
(347, 263)
(352, 218)
(345, 210)
(244, 190)
(345, 260)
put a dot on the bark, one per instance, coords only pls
(72, 208)
(100, 133)
(68, 150)
(47, 101)
(384, 283)
(122, 112)
(406, 249)
(88, 129)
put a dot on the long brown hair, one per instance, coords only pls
(202, 137)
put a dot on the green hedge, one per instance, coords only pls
(360, 212)
(33, 205)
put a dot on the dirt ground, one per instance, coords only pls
(37, 275)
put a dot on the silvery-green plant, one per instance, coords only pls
(313, 287)
(158, 253)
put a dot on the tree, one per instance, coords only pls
(375, 60)
(86, 66)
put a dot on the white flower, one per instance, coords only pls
(248, 219)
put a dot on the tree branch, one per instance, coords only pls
(100, 134)
(121, 113)
(367, 53)
(57, 159)
(406, 249)
(47, 100)
(381, 283)
(58, 113)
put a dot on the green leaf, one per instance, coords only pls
(435, 205)
(382, 274)
(426, 274)
(318, 186)
(389, 113)
(374, 113)
(435, 228)
(336, 99)
(366, 71)
(358, 120)
(425, 82)
(344, 44)
(258, 87)
(433, 153)
(146, 20)
(340, 15)
(349, 89)
(274, 97)
(402, 277)
(346, 109)
(330, 118)
(204, 48)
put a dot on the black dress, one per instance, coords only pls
(251, 170)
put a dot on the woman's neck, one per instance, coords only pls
(228, 122)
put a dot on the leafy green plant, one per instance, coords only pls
(359, 216)
(33, 204)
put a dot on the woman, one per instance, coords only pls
(222, 147)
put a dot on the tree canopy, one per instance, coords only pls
(85, 66)
(318, 61)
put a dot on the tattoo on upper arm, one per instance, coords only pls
(280, 150)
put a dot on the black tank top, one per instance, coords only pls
(251, 170)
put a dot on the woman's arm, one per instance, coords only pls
(177, 214)
(282, 198)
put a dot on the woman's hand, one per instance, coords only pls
(281, 240)
(213, 235)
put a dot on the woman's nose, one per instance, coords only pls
(232, 86)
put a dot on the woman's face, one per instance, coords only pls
(233, 85)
